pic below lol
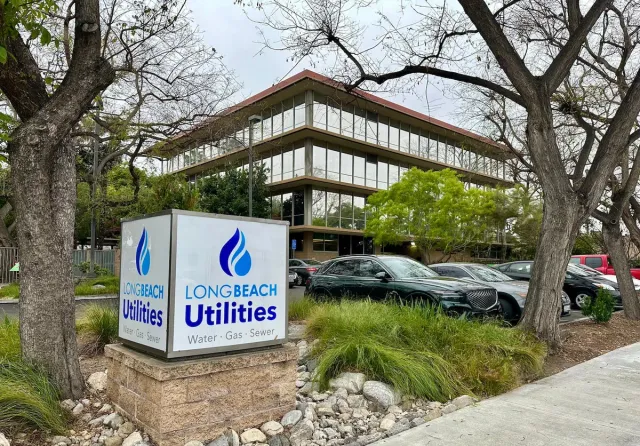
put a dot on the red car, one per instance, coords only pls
(601, 262)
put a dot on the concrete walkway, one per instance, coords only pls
(594, 403)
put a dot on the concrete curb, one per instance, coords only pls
(78, 298)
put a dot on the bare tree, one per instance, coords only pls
(448, 43)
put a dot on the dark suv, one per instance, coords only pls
(382, 277)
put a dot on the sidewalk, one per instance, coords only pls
(594, 403)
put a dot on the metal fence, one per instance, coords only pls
(9, 257)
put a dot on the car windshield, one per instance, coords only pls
(487, 274)
(312, 262)
(577, 271)
(404, 268)
(590, 271)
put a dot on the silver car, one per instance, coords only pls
(511, 293)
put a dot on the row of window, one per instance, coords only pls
(337, 210)
(289, 207)
(348, 120)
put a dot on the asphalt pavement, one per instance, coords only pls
(594, 403)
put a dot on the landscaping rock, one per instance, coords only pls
(417, 421)
(301, 431)
(77, 410)
(68, 405)
(401, 426)
(114, 420)
(371, 438)
(113, 441)
(194, 443)
(351, 382)
(279, 440)
(356, 401)
(387, 422)
(433, 414)
(291, 418)
(220, 441)
(3, 440)
(106, 408)
(462, 401)
(312, 364)
(60, 439)
(97, 381)
(253, 436)
(126, 429)
(233, 437)
(133, 440)
(97, 421)
(324, 409)
(98, 287)
(380, 393)
(271, 428)
(449, 408)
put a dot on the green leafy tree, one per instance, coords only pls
(227, 193)
(433, 208)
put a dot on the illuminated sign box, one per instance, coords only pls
(194, 283)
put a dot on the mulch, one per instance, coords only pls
(586, 340)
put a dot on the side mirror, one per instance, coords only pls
(382, 276)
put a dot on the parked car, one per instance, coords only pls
(382, 277)
(602, 263)
(293, 278)
(612, 278)
(577, 283)
(512, 293)
(304, 268)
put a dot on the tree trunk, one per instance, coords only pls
(45, 236)
(560, 223)
(615, 247)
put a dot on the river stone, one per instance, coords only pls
(233, 438)
(59, 439)
(98, 381)
(462, 401)
(401, 426)
(133, 440)
(77, 411)
(387, 422)
(253, 436)
(380, 393)
(433, 414)
(291, 418)
(371, 438)
(271, 428)
(449, 408)
(68, 405)
(352, 382)
(113, 441)
(324, 409)
(301, 431)
(279, 440)
(355, 401)
(220, 441)
(194, 443)
(114, 420)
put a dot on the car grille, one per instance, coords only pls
(482, 299)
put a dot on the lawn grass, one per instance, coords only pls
(85, 288)
(420, 351)
(9, 339)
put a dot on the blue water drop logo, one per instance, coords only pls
(234, 257)
(143, 256)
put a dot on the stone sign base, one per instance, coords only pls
(176, 402)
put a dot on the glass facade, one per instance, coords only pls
(288, 206)
(337, 210)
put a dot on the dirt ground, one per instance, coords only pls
(585, 340)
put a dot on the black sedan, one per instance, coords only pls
(304, 268)
(578, 284)
(402, 278)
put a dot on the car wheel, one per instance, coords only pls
(322, 295)
(291, 285)
(508, 312)
(581, 298)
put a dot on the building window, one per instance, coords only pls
(319, 161)
(358, 169)
(358, 213)
(300, 112)
(372, 171)
(276, 159)
(346, 211)
(383, 131)
(333, 115)
(359, 125)
(287, 164)
(287, 115)
(333, 209)
(287, 207)
(325, 242)
(414, 146)
(346, 167)
(394, 135)
(372, 128)
(266, 125)
(319, 208)
(298, 162)
(319, 110)
(277, 120)
(393, 174)
(383, 173)
(404, 138)
(276, 207)
(333, 164)
(346, 127)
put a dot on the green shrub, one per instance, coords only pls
(9, 340)
(99, 270)
(100, 324)
(111, 286)
(421, 351)
(11, 291)
(301, 309)
(601, 308)
(29, 400)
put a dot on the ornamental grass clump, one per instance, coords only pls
(100, 326)
(421, 351)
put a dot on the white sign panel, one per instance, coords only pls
(230, 283)
(144, 281)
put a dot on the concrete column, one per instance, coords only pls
(308, 201)
(308, 156)
(308, 101)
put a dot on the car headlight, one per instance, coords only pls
(565, 298)
(604, 286)
(523, 295)
(447, 295)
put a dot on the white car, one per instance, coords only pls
(609, 277)
(293, 278)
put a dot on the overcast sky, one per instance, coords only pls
(226, 28)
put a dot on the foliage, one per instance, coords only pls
(434, 208)
(99, 270)
(525, 227)
(227, 193)
(421, 351)
(10, 291)
(589, 243)
(9, 340)
(300, 310)
(85, 288)
(28, 399)
(101, 325)
(601, 308)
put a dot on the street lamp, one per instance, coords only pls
(252, 119)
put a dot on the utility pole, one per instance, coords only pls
(94, 181)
